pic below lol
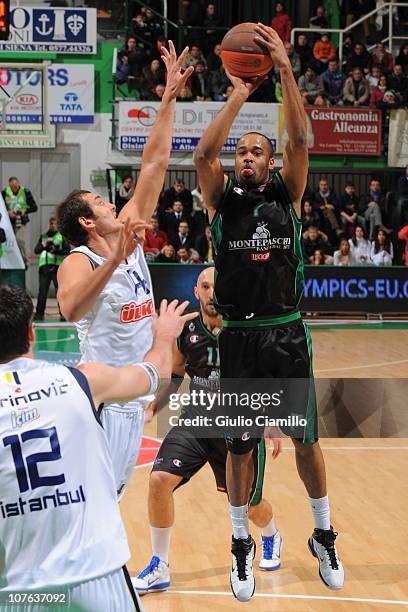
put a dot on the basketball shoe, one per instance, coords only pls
(271, 552)
(156, 577)
(242, 577)
(321, 545)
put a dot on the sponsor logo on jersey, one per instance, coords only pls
(193, 339)
(132, 312)
(261, 243)
(245, 436)
(23, 416)
(238, 190)
(55, 389)
(12, 378)
(191, 327)
(177, 462)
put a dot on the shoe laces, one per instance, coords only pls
(267, 546)
(241, 554)
(152, 567)
(327, 539)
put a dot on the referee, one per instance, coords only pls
(256, 231)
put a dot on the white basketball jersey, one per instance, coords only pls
(118, 330)
(59, 515)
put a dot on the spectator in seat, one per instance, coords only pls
(281, 22)
(137, 58)
(122, 69)
(360, 246)
(178, 192)
(382, 251)
(398, 82)
(204, 246)
(294, 60)
(218, 84)
(326, 202)
(378, 92)
(356, 89)
(343, 257)
(356, 10)
(333, 81)
(348, 48)
(124, 192)
(211, 21)
(304, 51)
(349, 205)
(214, 58)
(403, 235)
(360, 58)
(309, 216)
(194, 56)
(319, 20)
(153, 27)
(152, 75)
(371, 207)
(373, 78)
(166, 255)
(323, 51)
(313, 240)
(402, 58)
(318, 258)
(200, 83)
(389, 101)
(186, 256)
(173, 218)
(20, 204)
(382, 58)
(185, 95)
(139, 27)
(155, 239)
(183, 237)
(311, 87)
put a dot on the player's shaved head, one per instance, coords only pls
(206, 275)
(204, 291)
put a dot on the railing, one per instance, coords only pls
(379, 12)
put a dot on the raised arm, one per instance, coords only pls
(109, 384)
(295, 155)
(156, 153)
(206, 157)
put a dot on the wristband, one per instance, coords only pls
(153, 375)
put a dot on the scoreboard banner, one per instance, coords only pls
(71, 94)
(51, 30)
(335, 131)
(327, 288)
(190, 121)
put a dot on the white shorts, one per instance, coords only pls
(110, 593)
(124, 424)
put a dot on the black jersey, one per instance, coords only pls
(259, 264)
(200, 348)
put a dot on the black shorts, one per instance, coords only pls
(277, 354)
(184, 455)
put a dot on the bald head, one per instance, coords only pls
(204, 292)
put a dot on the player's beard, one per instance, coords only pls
(208, 309)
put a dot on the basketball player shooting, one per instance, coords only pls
(182, 454)
(62, 538)
(258, 294)
(104, 284)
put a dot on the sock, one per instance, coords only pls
(239, 518)
(321, 512)
(160, 537)
(270, 529)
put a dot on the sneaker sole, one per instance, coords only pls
(160, 587)
(269, 569)
(332, 588)
(243, 600)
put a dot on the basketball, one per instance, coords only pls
(241, 55)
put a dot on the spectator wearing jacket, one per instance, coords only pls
(382, 251)
(155, 239)
(356, 89)
(325, 201)
(359, 58)
(333, 81)
(398, 82)
(360, 247)
(378, 92)
(349, 210)
(218, 83)
(304, 51)
(323, 51)
(200, 83)
(403, 235)
(311, 88)
(382, 58)
(281, 22)
(312, 241)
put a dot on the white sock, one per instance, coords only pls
(160, 537)
(239, 518)
(321, 512)
(270, 529)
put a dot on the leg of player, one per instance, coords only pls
(240, 475)
(310, 465)
(156, 576)
(261, 515)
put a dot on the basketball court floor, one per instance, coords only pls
(368, 490)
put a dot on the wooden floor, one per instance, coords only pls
(368, 489)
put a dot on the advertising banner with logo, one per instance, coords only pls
(327, 288)
(339, 131)
(71, 94)
(11, 258)
(55, 30)
(191, 119)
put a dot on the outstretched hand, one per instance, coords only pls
(128, 239)
(176, 76)
(269, 38)
(171, 320)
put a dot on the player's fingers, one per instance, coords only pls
(181, 307)
(266, 43)
(187, 73)
(189, 316)
(182, 57)
(163, 307)
(266, 30)
(173, 53)
(172, 306)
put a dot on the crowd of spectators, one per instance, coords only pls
(341, 229)
(376, 78)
